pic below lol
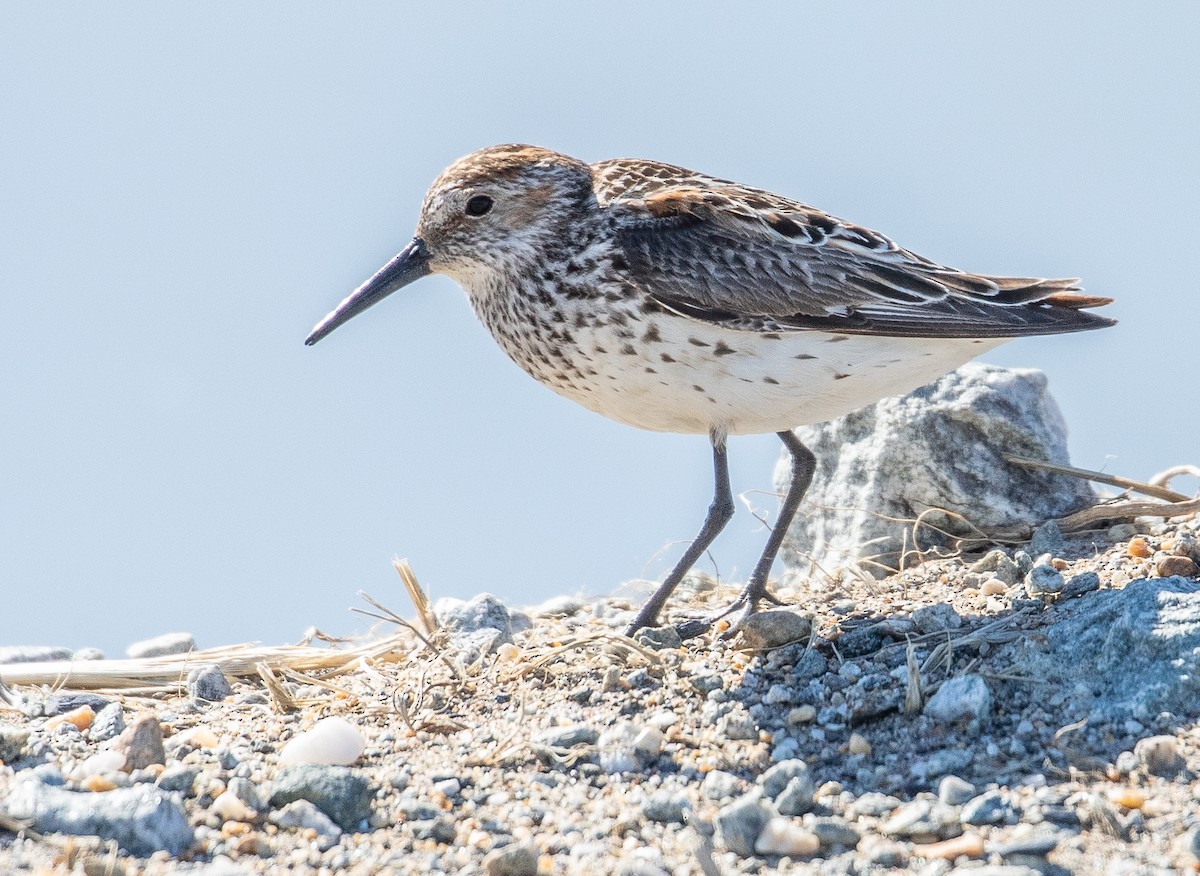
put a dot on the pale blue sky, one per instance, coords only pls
(186, 189)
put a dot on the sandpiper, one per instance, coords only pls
(679, 302)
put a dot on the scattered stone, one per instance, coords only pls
(482, 622)
(865, 639)
(567, 736)
(32, 654)
(719, 785)
(108, 723)
(60, 704)
(12, 743)
(1085, 582)
(1182, 566)
(1139, 547)
(87, 654)
(666, 807)
(658, 638)
(782, 836)
(779, 776)
(561, 606)
(342, 793)
(1044, 580)
(775, 628)
(515, 859)
(833, 832)
(331, 740)
(740, 824)
(303, 815)
(988, 808)
(940, 763)
(968, 845)
(141, 819)
(161, 646)
(923, 820)
(999, 564)
(228, 807)
(141, 743)
(1035, 843)
(178, 777)
(964, 697)
(937, 618)
(1160, 756)
(954, 791)
(796, 798)
(1047, 539)
(208, 683)
(737, 725)
(629, 747)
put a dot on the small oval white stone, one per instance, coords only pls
(333, 741)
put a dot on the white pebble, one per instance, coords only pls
(100, 762)
(332, 741)
(228, 807)
(783, 836)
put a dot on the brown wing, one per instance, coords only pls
(720, 251)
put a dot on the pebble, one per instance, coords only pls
(937, 618)
(629, 747)
(658, 638)
(737, 725)
(208, 683)
(954, 791)
(923, 819)
(141, 819)
(998, 564)
(303, 815)
(783, 836)
(567, 736)
(993, 587)
(720, 785)
(1043, 579)
(1037, 843)
(13, 742)
(515, 859)
(988, 808)
(141, 743)
(1121, 532)
(666, 807)
(101, 762)
(332, 740)
(740, 823)
(964, 697)
(228, 807)
(342, 793)
(178, 777)
(774, 629)
(32, 653)
(108, 723)
(1159, 756)
(832, 832)
(1171, 566)
(969, 845)
(777, 778)
(796, 798)
(1047, 539)
(1084, 582)
(482, 614)
(1139, 547)
(161, 646)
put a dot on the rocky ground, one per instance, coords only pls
(1026, 710)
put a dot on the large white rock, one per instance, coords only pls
(941, 446)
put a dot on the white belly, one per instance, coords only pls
(698, 377)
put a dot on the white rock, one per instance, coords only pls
(784, 836)
(100, 762)
(228, 807)
(332, 741)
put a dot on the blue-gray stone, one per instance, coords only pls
(342, 793)
(208, 683)
(142, 819)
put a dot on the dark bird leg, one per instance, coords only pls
(719, 513)
(803, 466)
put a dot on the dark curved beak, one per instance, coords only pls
(411, 263)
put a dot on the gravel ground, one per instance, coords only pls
(967, 715)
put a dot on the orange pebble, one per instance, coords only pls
(97, 784)
(81, 718)
(1138, 547)
(1130, 798)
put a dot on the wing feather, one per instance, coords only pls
(716, 250)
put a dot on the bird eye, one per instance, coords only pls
(479, 205)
